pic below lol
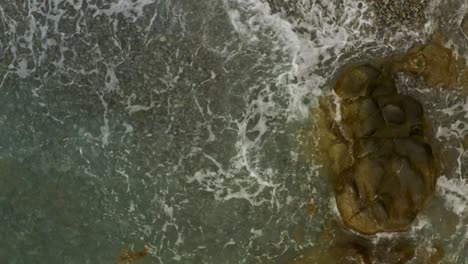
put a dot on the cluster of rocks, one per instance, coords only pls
(389, 13)
(381, 162)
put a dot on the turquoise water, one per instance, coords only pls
(168, 124)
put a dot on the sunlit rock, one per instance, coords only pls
(356, 82)
(437, 64)
(382, 166)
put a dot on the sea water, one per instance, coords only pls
(173, 125)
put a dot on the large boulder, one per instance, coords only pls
(382, 165)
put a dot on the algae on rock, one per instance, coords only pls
(381, 163)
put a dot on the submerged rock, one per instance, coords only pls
(344, 248)
(438, 65)
(382, 165)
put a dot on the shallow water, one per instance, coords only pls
(175, 125)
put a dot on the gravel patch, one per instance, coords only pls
(397, 13)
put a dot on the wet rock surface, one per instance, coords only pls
(346, 248)
(437, 64)
(382, 165)
(377, 123)
(464, 24)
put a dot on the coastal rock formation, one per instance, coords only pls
(438, 65)
(378, 154)
(433, 62)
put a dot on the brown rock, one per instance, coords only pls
(465, 142)
(436, 255)
(356, 82)
(383, 168)
(437, 64)
(464, 24)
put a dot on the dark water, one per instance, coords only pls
(173, 125)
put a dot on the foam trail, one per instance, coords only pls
(310, 65)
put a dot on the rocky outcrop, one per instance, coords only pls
(438, 65)
(378, 154)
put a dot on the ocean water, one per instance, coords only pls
(175, 125)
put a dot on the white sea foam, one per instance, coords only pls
(335, 33)
(455, 193)
(454, 189)
(128, 8)
(252, 18)
(310, 65)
